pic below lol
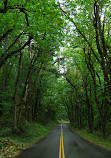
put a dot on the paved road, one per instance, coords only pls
(62, 143)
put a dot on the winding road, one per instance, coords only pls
(62, 143)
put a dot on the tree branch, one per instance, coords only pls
(15, 41)
(10, 54)
(85, 38)
(20, 7)
(99, 78)
(5, 3)
(96, 19)
(26, 16)
(5, 34)
(69, 82)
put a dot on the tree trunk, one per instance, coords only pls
(24, 95)
(4, 77)
(104, 128)
(4, 66)
(16, 92)
(4, 72)
(88, 107)
(91, 111)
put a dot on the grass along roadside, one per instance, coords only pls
(104, 143)
(11, 145)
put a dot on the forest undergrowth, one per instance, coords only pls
(12, 144)
(95, 137)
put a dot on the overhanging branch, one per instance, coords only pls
(15, 41)
(5, 34)
(10, 54)
(80, 32)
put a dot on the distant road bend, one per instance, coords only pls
(62, 143)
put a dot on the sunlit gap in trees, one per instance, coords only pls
(60, 61)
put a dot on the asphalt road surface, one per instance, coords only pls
(62, 143)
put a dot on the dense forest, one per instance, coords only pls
(55, 63)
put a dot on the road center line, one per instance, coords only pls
(61, 150)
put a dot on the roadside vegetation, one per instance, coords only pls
(12, 144)
(94, 138)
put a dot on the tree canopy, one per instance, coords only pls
(55, 63)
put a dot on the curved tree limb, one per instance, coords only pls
(20, 7)
(4, 57)
(6, 33)
(80, 32)
(15, 41)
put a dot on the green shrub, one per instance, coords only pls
(6, 131)
(35, 130)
